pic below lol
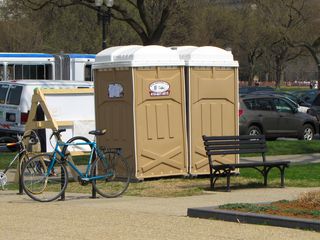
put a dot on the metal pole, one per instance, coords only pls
(63, 196)
(93, 190)
(20, 177)
(104, 21)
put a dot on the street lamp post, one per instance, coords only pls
(104, 17)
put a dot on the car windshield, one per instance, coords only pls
(14, 95)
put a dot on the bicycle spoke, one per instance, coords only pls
(112, 175)
(42, 184)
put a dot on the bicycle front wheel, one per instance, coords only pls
(39, 183)
(111, 175)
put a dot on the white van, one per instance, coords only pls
(15, 101)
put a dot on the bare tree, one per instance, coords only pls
(148, 18)
(251, 40)
(308, 35)
(282, 23)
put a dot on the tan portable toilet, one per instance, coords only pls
(140, 101)
(212, 100)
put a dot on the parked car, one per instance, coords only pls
(307, 96)
(274, 116)
(246, 90)
(314, 109)
(299, 103)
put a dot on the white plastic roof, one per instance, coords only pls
(206, 56)
(137, 56)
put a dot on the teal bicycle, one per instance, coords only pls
(45, 176)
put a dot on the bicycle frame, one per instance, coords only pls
(17, 156)
(86, 176)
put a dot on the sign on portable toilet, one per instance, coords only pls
(212, 100)
(140, 101)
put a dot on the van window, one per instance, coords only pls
(14, 95)
(3, 92)
(87, 72)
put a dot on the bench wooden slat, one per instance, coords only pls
(242, 137)
(241, 146)
(253, 164)
(228, 152)
(237, 142)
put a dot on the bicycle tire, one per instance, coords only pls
(114, 172)
(74, 139)
(40, 186)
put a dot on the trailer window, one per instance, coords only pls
(10, 72)
(3, 92)
(14, 95)
(1, 72)
(37, 72)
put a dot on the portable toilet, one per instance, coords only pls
(212, 100)
(140, 101)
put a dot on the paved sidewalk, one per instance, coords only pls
(80, 217)
(138, 217)
(295, 159)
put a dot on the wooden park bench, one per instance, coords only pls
(225, 145)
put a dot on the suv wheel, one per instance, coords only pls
(307, 133)
(254, 130)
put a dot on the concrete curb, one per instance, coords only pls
(263, 219)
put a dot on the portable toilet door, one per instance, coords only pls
(140, 100)
(212, 99)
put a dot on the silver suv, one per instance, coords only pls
(274, 116)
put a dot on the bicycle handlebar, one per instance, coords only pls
(57, 133)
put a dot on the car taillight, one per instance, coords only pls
(24, 118)
(240, 112)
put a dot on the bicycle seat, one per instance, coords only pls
(98, 132)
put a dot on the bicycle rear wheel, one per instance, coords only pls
(38, 184)
(112, 175)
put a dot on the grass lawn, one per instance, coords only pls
(280, 147)
(306, 175)
(293, 88)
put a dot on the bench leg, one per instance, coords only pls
(211, 178)
(266, 171)
(228, 179)
(282, 175)
(265, 176)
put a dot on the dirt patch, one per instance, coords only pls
(306, 206)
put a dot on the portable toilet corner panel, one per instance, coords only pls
(146, 108)
(212, 83)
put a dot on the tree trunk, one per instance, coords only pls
(318, 76)
(278, 74)
(251, 75)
